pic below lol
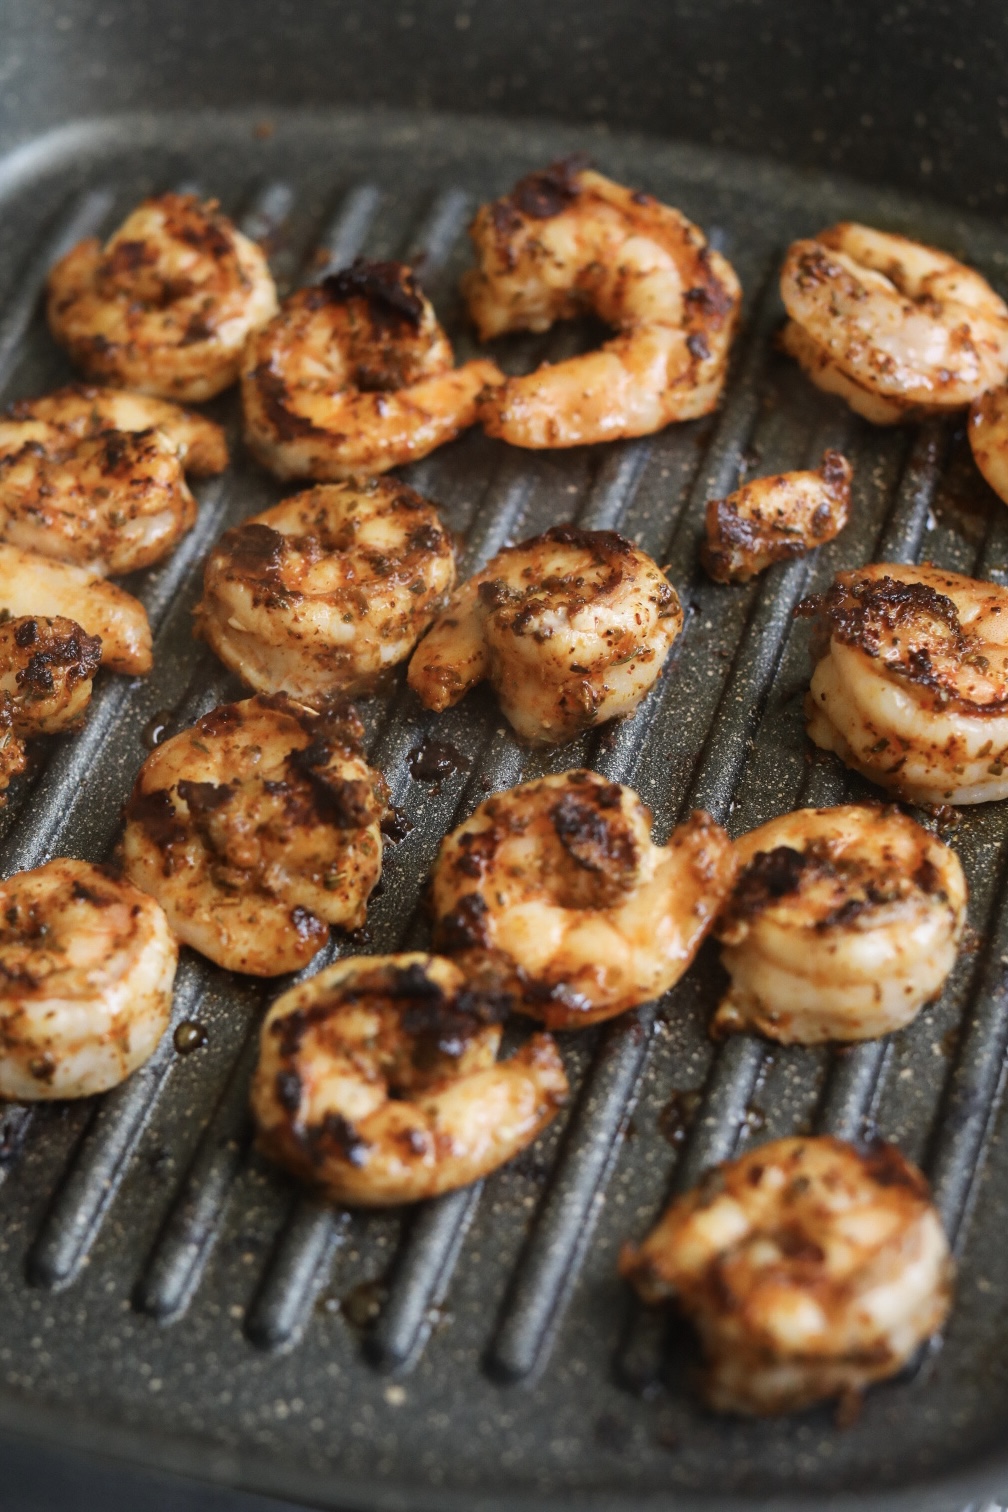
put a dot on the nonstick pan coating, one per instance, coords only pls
(167, 1296)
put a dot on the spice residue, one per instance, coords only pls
(434, 760)
(396, 826)
(189, 1036)
(363, 1304)
(678, 1113)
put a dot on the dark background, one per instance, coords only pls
(914, 94)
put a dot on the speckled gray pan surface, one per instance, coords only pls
(165, 1294)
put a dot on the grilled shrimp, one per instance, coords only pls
(911, 681)
(327, 590)
(560, 882)
(87, 964)
(378, 1080)
(31, 584)
(255, 830)
(809, 1267)
(572, 628)
(166, 306)
(355, 375)
(566, 241)
(117, 502)
(46, 669)
(842, 924)
(82, 411)
(775, 519)
(896, 328)
(988, 434)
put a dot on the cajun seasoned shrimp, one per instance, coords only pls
(560, 881)
(566, 241)
(46, 669)
(895, 328)
(256, 830)
(572, 628)
(117, 502)
(809, 1267)
(81, 412)
(910, 686)
(324, 592)
(87, 964)
(355, 375)
(842, 924)
(988, 435)
(775, 519)
(166, 306)
(378, 1080)
(32, 584)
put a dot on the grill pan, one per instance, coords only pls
(168, 1297)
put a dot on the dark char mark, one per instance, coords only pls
(545, 193)
(588, 837)
(345, 803)
(390, 288)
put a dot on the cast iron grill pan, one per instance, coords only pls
(167, 1295)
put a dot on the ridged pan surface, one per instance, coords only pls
(164, 1292)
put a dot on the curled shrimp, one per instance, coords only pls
(31, 584)
(910, 686)
(988, 436)
(117, 502)
(560, 882)
(328, 590)
(895, 328)
(255, 830)
(809, 1267)
(355, 375)
(567, 241)
(776, 519)
(87, 964)
(843, 922)
(572, 628)
(46, 670)
(378, 1081)
(166, 306)
(82, 411)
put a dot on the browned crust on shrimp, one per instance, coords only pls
(776, 519)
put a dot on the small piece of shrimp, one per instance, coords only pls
(896, 328)
(166, 306)
(31, 584)
(560, 882)
(355, 375)
(378, 1080)
(572, 628)
(256, 830)
(87, 964)
(988, 436)
(910, 686)
(809, 1268)
(843, 922)
(328, 590)
(775, 519)
(567, 241)
(116, 503)
(82, 411)
(46, 669)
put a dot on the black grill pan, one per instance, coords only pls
(169, 1298)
